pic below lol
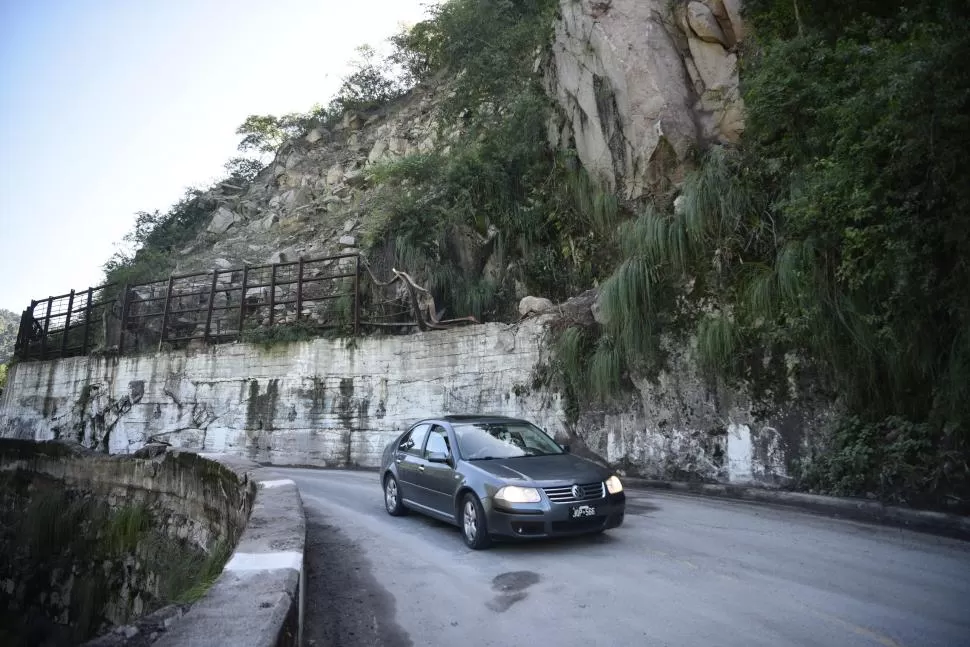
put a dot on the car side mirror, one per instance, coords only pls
(565, 447)
(438, 457)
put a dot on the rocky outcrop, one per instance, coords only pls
(314, 198)
(639, 85)
(222, 220)
(642, 83)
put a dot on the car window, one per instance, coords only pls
(414, 441)
(438, 441)
(506, 439)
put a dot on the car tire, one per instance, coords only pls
(474, 527)
(392, 497)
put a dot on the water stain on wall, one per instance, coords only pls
(260, 414)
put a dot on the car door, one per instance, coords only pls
(408, 456)
(437, 480)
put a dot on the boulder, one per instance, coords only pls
(265, 224)
(335, 175)
(716, 67)
(704, 23)
(535, 305)
(380, 147)
(222, 220)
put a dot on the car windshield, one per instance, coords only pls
(485, 440)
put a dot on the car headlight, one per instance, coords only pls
(613, 485)
(516, 494)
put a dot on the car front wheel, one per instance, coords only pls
(474, 527)
(392, 497)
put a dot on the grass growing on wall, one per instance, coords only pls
(58, 530)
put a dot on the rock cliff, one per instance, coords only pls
(640, 87)
(637, 86)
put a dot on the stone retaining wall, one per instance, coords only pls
(334, 403)
(200, 503)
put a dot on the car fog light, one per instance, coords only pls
(613, 485)
(516, 494)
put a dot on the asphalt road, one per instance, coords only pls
(682, 570)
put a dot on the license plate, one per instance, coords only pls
(582, 511)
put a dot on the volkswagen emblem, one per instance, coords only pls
(577, 492)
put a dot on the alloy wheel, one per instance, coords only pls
(390, 494)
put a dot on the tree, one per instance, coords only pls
(263, 133)
(9, 326)
(243, 169)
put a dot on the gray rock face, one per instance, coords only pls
(639, 87)
(704, 23)
(316, 184)
(222, 220)
(535, 305)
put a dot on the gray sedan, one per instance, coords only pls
(497, 476)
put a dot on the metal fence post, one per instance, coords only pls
(242, 300)
(87, 323)
(208, 316)
(47, 323)
(357, 297)
(123, 325)
(168, 304)
(67, 323)
(299, 290)
(272, 294)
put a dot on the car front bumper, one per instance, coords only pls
(555, 520)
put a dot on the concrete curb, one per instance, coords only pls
(938, 523)
(259, 599)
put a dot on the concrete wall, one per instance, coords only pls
(338, 402)
(92, 541)
(257, 600)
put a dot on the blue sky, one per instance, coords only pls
(109, 107)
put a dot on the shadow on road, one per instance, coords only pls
(346, 605)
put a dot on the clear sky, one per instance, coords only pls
(109, 107)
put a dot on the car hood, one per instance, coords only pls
(544, 469)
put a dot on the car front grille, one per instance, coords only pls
(587, 492)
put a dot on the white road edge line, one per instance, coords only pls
(265, 561)
(276, 483)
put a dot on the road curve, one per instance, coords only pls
(680, 571)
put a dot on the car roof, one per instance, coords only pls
(480, 418)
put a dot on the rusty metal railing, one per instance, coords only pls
(222, 305)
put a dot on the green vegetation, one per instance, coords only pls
(50, 530)
(836, 231)
(374, 82)
(270, 336)
(492, 180)
(197, 575)
(158, 238)
(9, 327)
